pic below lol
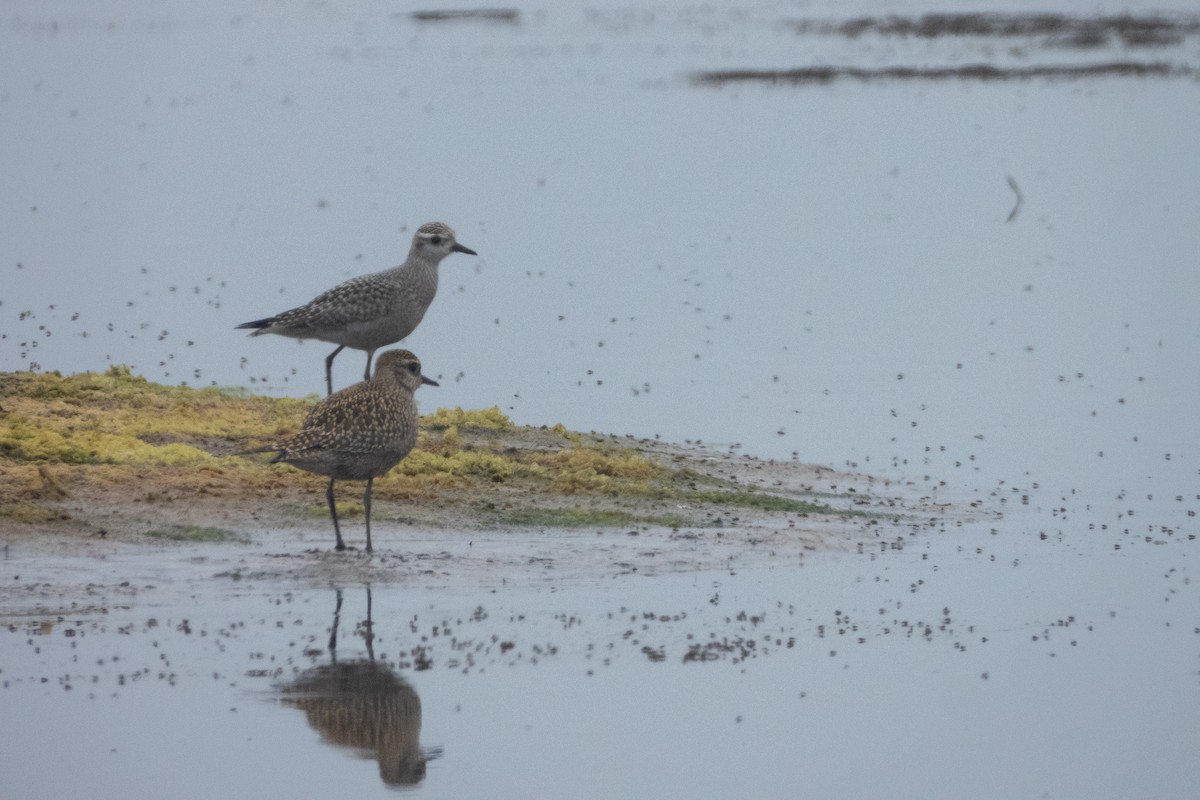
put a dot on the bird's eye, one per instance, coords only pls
(414, 368)
(435, 239)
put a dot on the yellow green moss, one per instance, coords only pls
(117, 418)
(114, 434)
(459, 463)
(582, 469)
(562, 431)
(485, 418)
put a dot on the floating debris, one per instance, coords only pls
(504, 15)
(974, 72)
(1060, 29)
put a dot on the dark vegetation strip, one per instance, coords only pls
(509, 15)
(975, 72)
(765, 502)
(1137, 31)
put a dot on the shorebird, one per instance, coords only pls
(371, 311)
(358, 433)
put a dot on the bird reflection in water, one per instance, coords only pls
(365, 705)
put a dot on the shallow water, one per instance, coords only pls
(829, 272)
(967, 663)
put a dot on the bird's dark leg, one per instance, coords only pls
(329, 369)
(367, 510)
(370, 358)
(333, 513)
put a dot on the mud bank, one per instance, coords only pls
(138, 478)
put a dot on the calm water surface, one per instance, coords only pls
(829, 272)
(962, 665)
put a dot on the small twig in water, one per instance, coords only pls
(1020, 199)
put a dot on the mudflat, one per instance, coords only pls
(113, 469)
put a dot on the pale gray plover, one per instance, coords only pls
(371, 311)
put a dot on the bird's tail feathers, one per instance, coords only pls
(267, 448)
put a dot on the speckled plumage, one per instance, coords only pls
(360, 432)
(371, 311)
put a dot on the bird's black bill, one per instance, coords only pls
(462, 248)
(429, 381)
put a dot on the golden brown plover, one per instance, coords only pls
(360, 432)
(371, 311)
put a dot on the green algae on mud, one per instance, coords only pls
(73, 447)
(768, 502)
(574, 517)
(196, 533)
